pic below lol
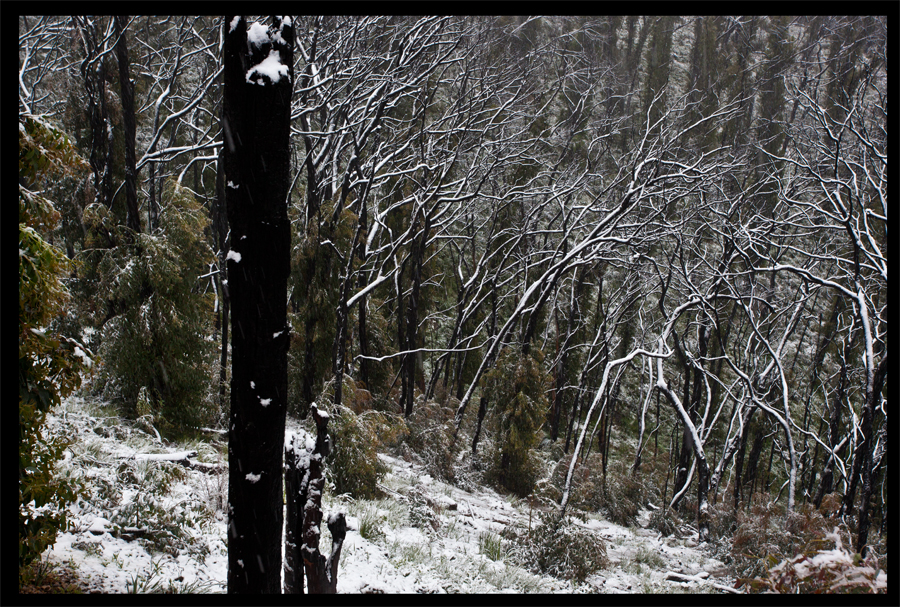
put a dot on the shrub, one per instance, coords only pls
(517, 386)
(722, 521)
(768, 535)
(353, 465)
(621, 499)
(827, 571)
(623, 495)
(558, 547)
(429, 439)
(422, 510)
(666, 521)
(469, 468)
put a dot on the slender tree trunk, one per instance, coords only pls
(868, 486)
(363, 330)
(220, 229)
(257, 152)
(412, 318)
(127, 91)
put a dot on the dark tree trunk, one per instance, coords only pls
(834, 426)
(127, 89)
(412, 317)
(321, 573)
(563, 358)
(753, 460)
(873, 400)
(257, 152)
(93, 72)
(363, 330)
(295, 492)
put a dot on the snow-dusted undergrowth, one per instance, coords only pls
(149, 525)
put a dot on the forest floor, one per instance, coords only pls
(181, 513)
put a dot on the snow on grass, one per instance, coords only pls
(389, 548)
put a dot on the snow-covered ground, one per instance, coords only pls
(185, 508)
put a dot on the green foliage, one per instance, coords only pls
(315, 288)
(49, 364)
(491, 546)
(517, 386)
(353, 465)
(150, 286)
(556, 546)
(370, 524)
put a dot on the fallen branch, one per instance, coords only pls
(181, 458)
(700, 579)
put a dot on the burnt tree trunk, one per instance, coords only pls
(257, 152)
(296, 463)
(321, 572)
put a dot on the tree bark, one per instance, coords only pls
(321, 572)
(295, 491)
(128, 121)
(868, 486)
(257, 152)
(220, 230)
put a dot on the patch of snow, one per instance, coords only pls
(98, 527)
(271, 67)
(257, 34)
(233, 255)
(401, 559)
(84, 357)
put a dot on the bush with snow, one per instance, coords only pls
(557, 546)
(827, 571)
(353, 465)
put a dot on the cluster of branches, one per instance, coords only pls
(686, 209)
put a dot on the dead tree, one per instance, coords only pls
(304, 481)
